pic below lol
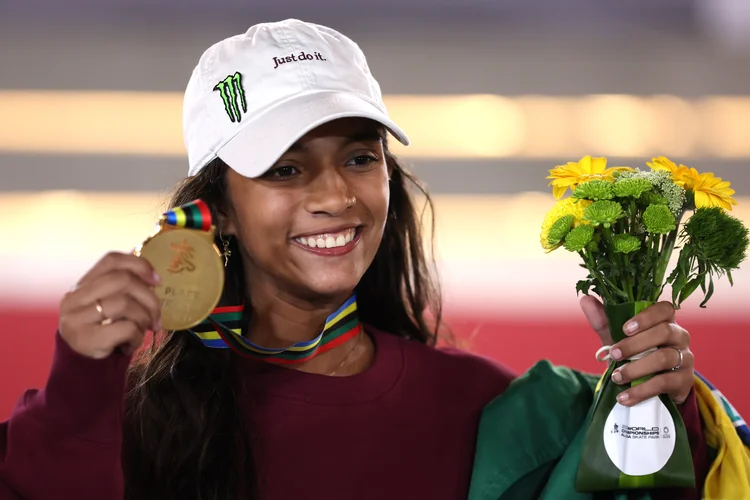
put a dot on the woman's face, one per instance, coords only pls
(312, 224)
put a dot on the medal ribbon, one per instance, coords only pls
(193, 215)
(223, 329)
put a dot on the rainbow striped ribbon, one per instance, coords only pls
(223, 329)
(193, 215)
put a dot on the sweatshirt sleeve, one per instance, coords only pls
(65, 440)
(691, 416)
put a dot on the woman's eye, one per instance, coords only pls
(282, 172)
(362, 160)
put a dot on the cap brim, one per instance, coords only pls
(262, 141)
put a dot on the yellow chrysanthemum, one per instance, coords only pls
(572, 174)
(681, 175)
(568, 206)
(708, 190)
(712, 191)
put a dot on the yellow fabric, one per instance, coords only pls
(729, 475)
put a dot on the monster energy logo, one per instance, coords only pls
(231, 91)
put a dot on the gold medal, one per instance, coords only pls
(190, 267)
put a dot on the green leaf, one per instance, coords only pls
(710, 291)
(583, 286)
(677, 287)
(688, 290)
(702, 272)
(684, 266)
(729, 277)
(673, 275)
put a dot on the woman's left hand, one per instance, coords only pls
(653, 327)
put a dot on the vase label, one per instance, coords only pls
(640, 439)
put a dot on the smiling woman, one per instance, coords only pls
(316, 376)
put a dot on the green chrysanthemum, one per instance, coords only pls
(579, 237)
(626, 243)
(560, 228)
(659, 219)
(631, 188)
(603, 213)
(653, 198)
(567, 206)
(718, 237)
(594, 190)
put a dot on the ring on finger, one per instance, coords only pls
(679, 363)
(104, 319)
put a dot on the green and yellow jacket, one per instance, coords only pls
(530, 440)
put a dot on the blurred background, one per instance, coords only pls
(492, 93)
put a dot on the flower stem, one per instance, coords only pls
(588, 259)
(646, 266)
(629, 279)
(620, 292)
(620, 261)
(663, 261)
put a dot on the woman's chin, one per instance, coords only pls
(331, 286)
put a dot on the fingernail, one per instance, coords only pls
(622, 397)
(157, 327)
(157, 278)
(617, 376)
(615, 354)
(630, 327)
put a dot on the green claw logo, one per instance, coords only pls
(231, 91)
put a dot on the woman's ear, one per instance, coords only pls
(226, 225)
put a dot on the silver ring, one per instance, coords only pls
(105, 320)
(679, 363)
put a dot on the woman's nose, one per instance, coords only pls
(330, 194)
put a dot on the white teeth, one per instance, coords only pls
(328, 240)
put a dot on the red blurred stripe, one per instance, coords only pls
(720, 348)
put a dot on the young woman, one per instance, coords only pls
(286, 134)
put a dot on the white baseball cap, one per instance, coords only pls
(254, 95)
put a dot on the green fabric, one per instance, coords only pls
(522, 453)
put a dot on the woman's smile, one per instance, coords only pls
(330, 242)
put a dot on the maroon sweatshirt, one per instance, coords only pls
(405, 428)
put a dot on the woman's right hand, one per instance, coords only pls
(111, 307)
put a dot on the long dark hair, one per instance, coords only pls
(184, 435)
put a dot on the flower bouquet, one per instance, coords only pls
(624, 223)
